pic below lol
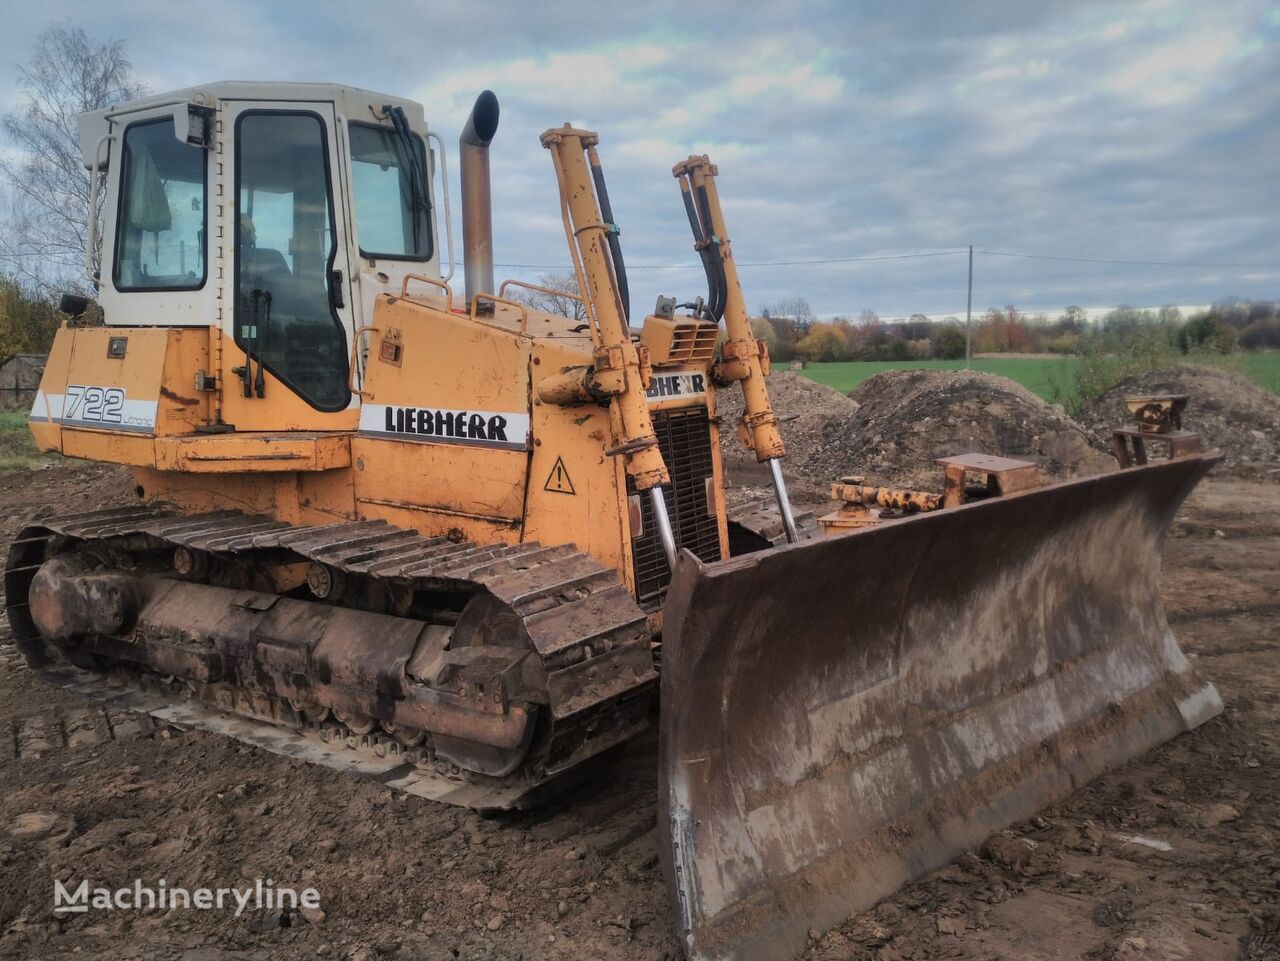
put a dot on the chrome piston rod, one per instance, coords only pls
(784, 501)
(663, 521)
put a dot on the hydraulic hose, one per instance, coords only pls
(704, 251)
(615, 244)
(717, 261)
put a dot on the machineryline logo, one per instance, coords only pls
(139, 896)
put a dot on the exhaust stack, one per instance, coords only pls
(477, 207)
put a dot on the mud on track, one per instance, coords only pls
(404, 878)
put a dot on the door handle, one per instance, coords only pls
(335, 289)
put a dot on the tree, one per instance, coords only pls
(948, 341)
(562, 300)
(1210, 332)
(796, 310)
(868, 318)
(916, 327)
(1169, 315)
(1074, 320)
(823, 342)
(1261, 335)
(68, 74)
(28, 321)
(1001, 331)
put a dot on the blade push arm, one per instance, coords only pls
(619, 371)
(743, 358)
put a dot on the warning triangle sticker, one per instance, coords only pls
(558, 480)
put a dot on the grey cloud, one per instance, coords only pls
(1143, 130)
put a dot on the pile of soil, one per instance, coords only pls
(1232, 413)
(894, 425)
(809, 413)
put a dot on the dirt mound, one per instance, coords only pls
(906, 419)
(809, 412)
(894, 425)
(1233, 414)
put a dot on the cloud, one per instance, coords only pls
(1136, 130)
(1176, 71)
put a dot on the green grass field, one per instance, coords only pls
(17, 449)
(1052, 379)
(1264, 369)
(1037, 375)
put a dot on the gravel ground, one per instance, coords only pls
(894, 425)
(1232, 413)
(408, 879)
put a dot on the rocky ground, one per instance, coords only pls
(894, 426)
(1172, 857)
(1231, 413)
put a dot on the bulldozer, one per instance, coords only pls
(464, 546)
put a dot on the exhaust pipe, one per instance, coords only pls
(477, 206)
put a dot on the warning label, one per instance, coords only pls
(558, 481)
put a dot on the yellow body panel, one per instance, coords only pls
(450, 436)
(253, 452)
(583, 500)
(279, 409)
(319, 497)
(410, 467)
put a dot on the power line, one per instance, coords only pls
(768, 263)
(931, 253)
(1103, 260)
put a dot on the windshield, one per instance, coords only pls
(387, 192)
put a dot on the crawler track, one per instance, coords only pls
(592, 640)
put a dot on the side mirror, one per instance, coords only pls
(193, 124)
(73, 305)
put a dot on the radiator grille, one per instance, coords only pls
(684, 437)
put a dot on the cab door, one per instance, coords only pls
(286, 280)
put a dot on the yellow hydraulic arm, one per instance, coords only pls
(743, 358)
(619, 372)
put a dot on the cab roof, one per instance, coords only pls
(352, 103)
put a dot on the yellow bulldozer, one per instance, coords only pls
(461, 546)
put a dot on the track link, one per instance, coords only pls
(593, 641)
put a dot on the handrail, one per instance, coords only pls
(448, 291)
(554, 292)
(444, 189)
(91, 240)
(492, 298)
(355, 361)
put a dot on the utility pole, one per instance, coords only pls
(968, 318)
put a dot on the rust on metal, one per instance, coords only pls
(1129, 444)
(951, 673)
(898, 498)
(1157, 413)
(509, 663)
(1004, 475)
(865, 504)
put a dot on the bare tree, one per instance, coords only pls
(794, 309)
(68, 74)
(566, 304)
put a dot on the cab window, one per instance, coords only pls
(160, 223)
(390, 194)
(285, 249)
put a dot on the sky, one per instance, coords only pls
(1145, 131)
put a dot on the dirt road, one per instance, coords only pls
(1171, 857)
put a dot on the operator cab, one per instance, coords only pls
(275, 211)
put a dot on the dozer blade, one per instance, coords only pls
(842, 716)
